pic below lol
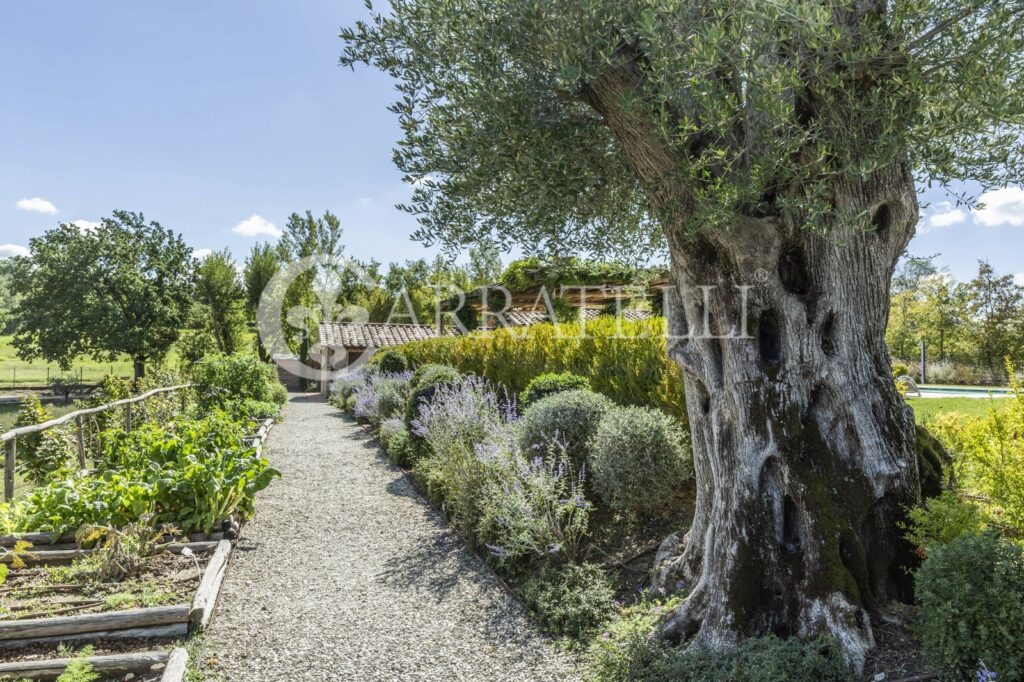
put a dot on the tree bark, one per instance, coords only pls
(139, 368)
(803, 450)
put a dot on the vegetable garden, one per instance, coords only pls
(126, 535)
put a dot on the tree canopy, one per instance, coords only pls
(123, 287)
(729, 106)
(218, 289)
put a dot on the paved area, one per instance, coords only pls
(347, 574)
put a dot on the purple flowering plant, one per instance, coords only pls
(537, 508)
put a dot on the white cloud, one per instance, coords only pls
(85, 225)
(11, 250)
(202, 254)
(256, 225)
(943, 214)
(1002, 207)
(36, 205)
(1018, 279)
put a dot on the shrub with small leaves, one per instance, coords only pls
(424, 383)
(551, 383)
(639, 458)
(397, 442)
(454, 422)
(392, 361)
(941, 520)
(970, 596)
(569, 417)
(381, 397)
(574, 600)
(536, 508)
(43, 454)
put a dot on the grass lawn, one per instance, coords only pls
(16, 372)
(928, 408)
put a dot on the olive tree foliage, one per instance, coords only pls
(761, 105)
(124, 287)
(772, 147)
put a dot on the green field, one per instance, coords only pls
(928, 408)
(15, 372)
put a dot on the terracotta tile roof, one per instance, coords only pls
(373, 334)
(523, 318)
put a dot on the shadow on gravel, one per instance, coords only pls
(440, 569)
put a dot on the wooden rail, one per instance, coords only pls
(10, 439)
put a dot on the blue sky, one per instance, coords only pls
(223, 117)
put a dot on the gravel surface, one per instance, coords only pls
(346, 573)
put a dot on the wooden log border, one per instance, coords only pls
(63, 554)
(179, 620)
(205, 600)
(177, 666)
(111, 664)
(158, 621)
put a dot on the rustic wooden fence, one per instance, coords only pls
(10, 439)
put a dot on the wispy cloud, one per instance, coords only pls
(11, 250)
(1002, 207)
(85, 225)
(37, 205)
(943, 214)
(256, 225)
(202, 254)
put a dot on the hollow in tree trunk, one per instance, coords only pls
(803, 449)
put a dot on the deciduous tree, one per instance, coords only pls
(122, 288)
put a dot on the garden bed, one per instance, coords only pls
(173, 596)
(108, 662)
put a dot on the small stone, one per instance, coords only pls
(879, 677)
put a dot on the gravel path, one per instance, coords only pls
(346, 573)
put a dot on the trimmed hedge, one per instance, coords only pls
(624, 360)
(549, 384)
(569, 419)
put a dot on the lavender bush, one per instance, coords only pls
(382, 396)
(458, 423)
(536, 509)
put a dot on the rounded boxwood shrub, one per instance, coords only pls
(638, 458)
(423, 385)
(392, 361)
(970, 596)
(569, 418)
(572, 601)
(548, 384)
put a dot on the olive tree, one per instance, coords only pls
(772, 148)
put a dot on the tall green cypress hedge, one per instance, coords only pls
(624, 360)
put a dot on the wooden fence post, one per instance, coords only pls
(9, 458)
(81, 442)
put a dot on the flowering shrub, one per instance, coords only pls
(989, 456)
(381, 396)
(551, 383)
(570, 417)
(535, 509)
(970, 596)
(639, 458)
(425, 381)
(456, 419)
(571, 601)
(397, 442)
(345, 387)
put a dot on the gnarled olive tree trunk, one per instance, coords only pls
(803, 449)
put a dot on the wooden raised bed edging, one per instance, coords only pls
(177, 666)
(179, 620)
(113, 665)
(205, 600)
